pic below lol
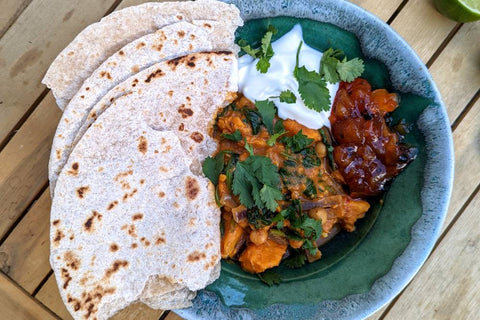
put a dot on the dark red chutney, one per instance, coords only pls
(368, 153)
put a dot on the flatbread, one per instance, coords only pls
(100, 40)
(130, 220)
(171, 41)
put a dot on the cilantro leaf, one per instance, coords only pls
(267, 111)
(273, 138)
(311, 227)
(269, 196)
(256, 181)
(236, 136)
(310, 246)
(328, 65)
(287, 96)
(349, 70)
(212, 167)
(296, 260)
(311, 86)
(297, 142)
(269, 277)
(315, 95)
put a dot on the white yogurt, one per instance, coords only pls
(279, 77)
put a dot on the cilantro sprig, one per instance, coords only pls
(334, 69)
(257, 183)
(312, 85)
(264, 53)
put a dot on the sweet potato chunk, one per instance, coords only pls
(233, 237)
(256, 259)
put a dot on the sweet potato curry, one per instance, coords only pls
(284, 188)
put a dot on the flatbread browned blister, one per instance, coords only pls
(100, 40)
(130, 220)
(171, 41)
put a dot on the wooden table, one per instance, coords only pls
(33, 32)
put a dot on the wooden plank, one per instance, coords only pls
(382, 9)
(31, 44)
(467, 161)
(24, 254)
(16, 304)
(447, 287)
(24, 160)
(456, 72)
(423, 37)
(11, 9)
(50, 296)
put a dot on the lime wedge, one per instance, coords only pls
(459, 10)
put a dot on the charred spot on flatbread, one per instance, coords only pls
(192, 188)
(115, 267)
(157, 73)
(142, 144)
(89, 224)
(59, 235)
(160, 241)
(185, 112)
(197, 137)
(137, 216)
(72, 260)
(112, 205)
(140, 45)
(181, 127)
(65, 277)
(82, 191)
(114, 247)
(196, 256)
(56, 222)
(74, 170)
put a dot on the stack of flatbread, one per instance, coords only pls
(133, 218)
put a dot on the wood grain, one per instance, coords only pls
(17, 304)
(466, 139)
(382, 9)
(457, 70)
(31, 44)
(422, 27)
(50, 296)
(24, 256)
(447, 287)
(24, 160)
(173, 316)
(11, 9)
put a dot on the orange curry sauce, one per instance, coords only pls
(308, 180)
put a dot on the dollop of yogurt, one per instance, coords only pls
(279, 77)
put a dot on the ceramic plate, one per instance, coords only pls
(363, 270)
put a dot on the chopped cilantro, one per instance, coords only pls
(329, 148)
(297, 142)
(269, 277)
(296, 260)
(255, 120)
(267, 111)
(271, 141)
(310, 158)
(287, 96)
(212, 167)
(236, 136)
(256, 181)
(310, 191)
(312, 87)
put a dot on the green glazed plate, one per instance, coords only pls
(360, 271)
